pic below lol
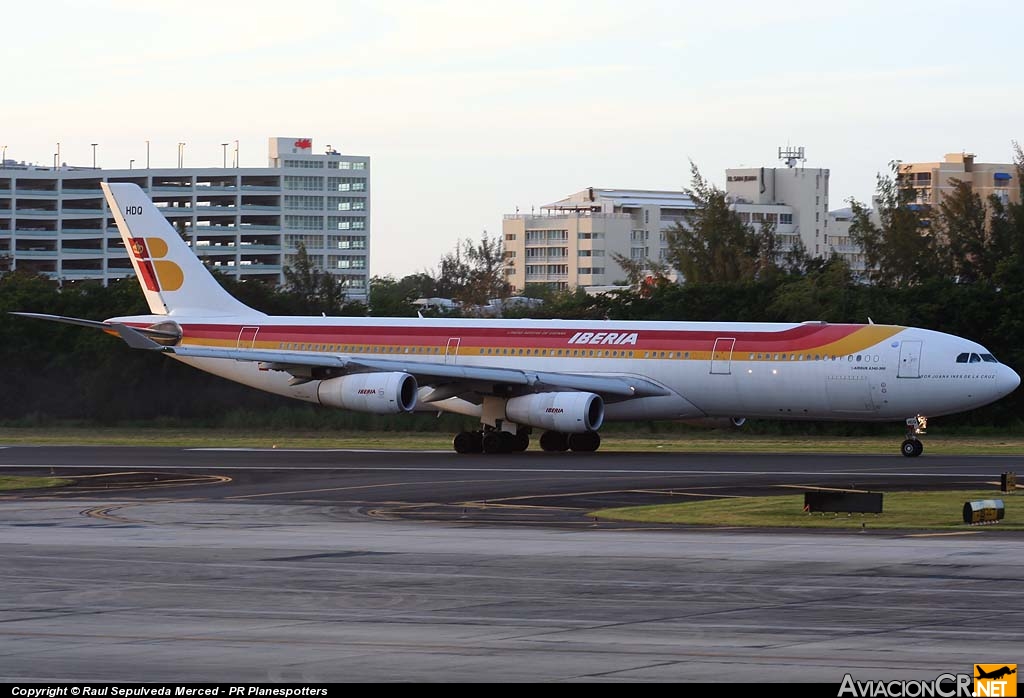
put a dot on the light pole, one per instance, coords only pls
(224, 147)
(3, 160)
(147, 155)
(94, 154)
(237, 164)
(181, 154)
(56, 159)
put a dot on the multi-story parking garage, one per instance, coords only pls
(247, 222)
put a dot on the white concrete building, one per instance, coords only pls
(794, 198)
(571, 241)
(247, 222)
(840, 244)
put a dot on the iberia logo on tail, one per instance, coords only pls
(157, 273)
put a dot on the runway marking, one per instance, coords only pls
(454, 469)
(131, 486)
(677, 493)
(998, 483)
(555, 495)
(936, 535)
(325, 489)
(498, 504)
(314, 450)
(822, 489)
(104, 513)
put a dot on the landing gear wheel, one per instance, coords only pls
(521, 442)
(554, 441)
(467, 442)
(495, 442)
(912, 448)
(588, 441)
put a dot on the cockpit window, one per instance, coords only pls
(969, 358)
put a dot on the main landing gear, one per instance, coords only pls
(912, 446)
(588, 441)
(491, 441)
(499, 441)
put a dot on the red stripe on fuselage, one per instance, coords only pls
(799, 338)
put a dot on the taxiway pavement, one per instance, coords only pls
(180, 565)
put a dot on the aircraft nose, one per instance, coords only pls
(1007, 380)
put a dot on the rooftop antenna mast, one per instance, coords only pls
(792, 155)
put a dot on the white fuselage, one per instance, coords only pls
(780, 371)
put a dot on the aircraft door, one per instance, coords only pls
(247, 338)
(451, 350)
(721, 355)
(910, 359)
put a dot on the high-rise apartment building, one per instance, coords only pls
(571, 242)
(794, 199)
(247, 222)
(842, 245)
(930, 181)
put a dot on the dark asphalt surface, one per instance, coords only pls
(177, 565)
(534, 487)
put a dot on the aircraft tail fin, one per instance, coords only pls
(173, 279)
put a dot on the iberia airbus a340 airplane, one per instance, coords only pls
(562, 378)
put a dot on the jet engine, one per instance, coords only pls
(570, 413)
(379, 393)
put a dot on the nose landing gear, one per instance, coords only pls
(912, 446)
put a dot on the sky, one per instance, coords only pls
(469, 110)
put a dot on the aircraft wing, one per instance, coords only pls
(473, 378)
(427, 373)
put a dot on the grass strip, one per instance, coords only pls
(714, 442)
(940, 510)
(20, 482)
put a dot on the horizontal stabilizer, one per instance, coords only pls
(105, 326)
(66, 320)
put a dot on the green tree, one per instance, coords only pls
(1006, 234)
(640, 272)
(898, 250)
(474, 272)
(712, 244)
(962, 234)
(390, 297)
(487, 275)
(315, 291)
(824, 293)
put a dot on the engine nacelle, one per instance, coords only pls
(717, 422)
(379, 393)
(571, 413)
